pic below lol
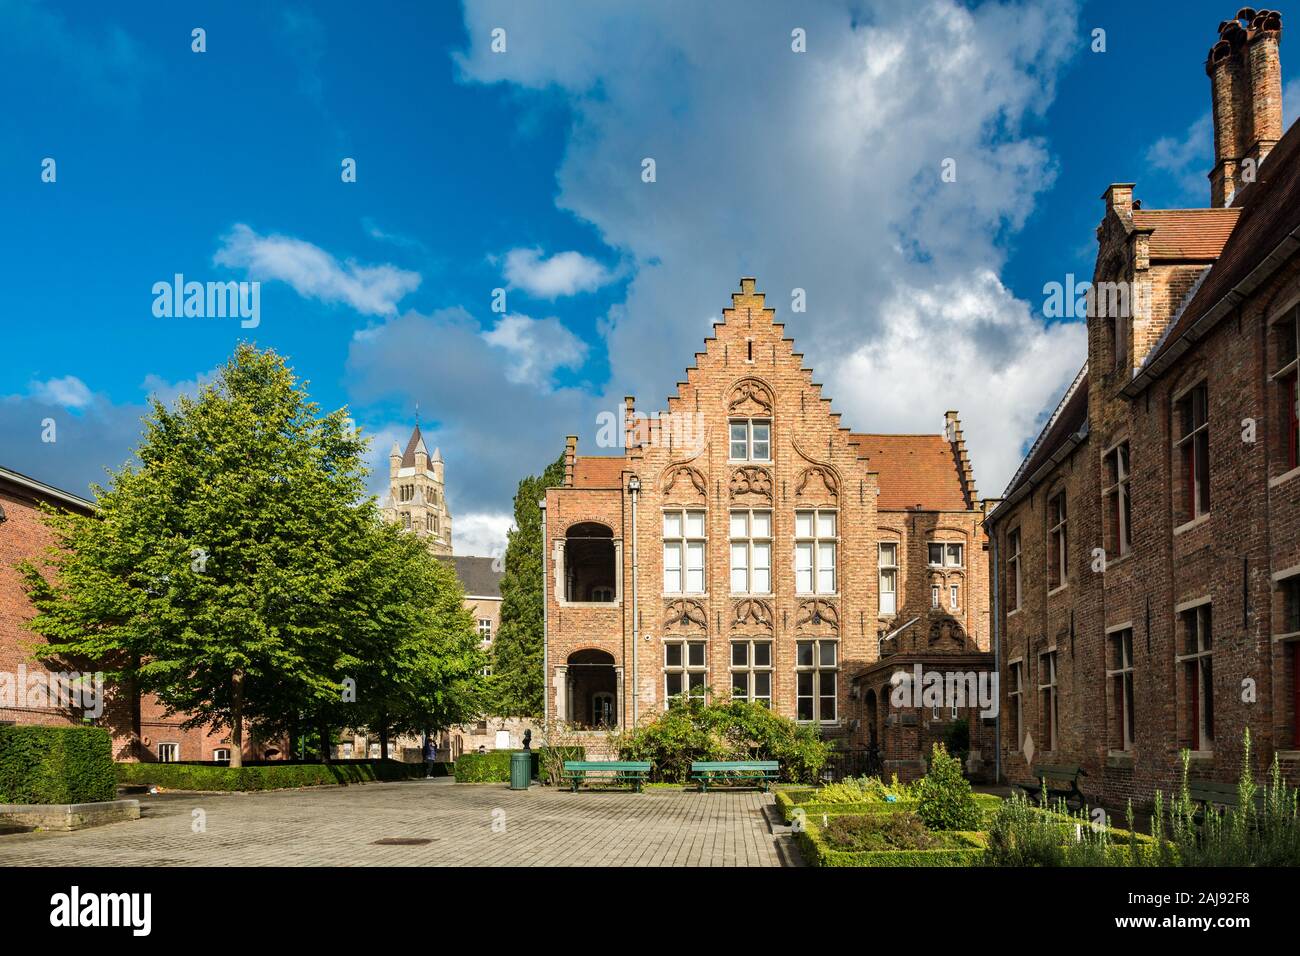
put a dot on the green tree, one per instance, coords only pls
(222, 572)
(517, 649)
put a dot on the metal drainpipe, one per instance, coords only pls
(997, 664)
(634, 486)
(546, 596)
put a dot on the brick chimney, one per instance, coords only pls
(1245, 73)
(570, 458)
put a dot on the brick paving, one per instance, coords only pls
(468, 824)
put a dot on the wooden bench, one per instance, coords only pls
(761, 773)
(1046, 774)
(634, 772)
(1217, 794)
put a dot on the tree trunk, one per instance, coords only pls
(237, 719)
(324, 744)
(383, 743)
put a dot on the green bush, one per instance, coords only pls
(866, 790)
(179, 776)
(944, 797)
(1023, 834)
(808, 801)
(56, 765)
(962, 849)
(490, 767)
(887, 831)
(548, 762)
(726, 730)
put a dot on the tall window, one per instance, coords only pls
(949, 554)
(685, 670)
(1048, 699)
(1013, 569)
(1119, 535)
(888, 577)
(954, 597)
(485, 628)
(1017, 695)
(1290, 588)
(1192, 416)
(751, 552)
(751, 671)
(406, 520)
(814, 552)
(751, 439)
(1057, 542)
(1121, 681)
(1287, 334)
(816, 669)
(683, 552)
(1198, 674)
(934, 595)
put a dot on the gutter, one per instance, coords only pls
(996, 638)
(47, 491)
(634, 486)
(1231, 299)
(546, 599)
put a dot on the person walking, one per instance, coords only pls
(430, 756)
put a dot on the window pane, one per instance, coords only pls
(803, 568)
(804, 654)
(763, 655)
(672, 567)
(888, 555)
(762, 581)
(673, 684)
(695, 654)
(740, 684)
(826, 524)
(805, 711)
(762, 446)
(936, 554)
(672, 524)
(803, 524)
(739, 654)
(695, 681)
(805, 684)
(695, 524)
(739, 568)
(828, 699)
(826, 568)
(695, 556)
(827, 655)
(672, 655)
(739, 524)
(954, 555)
(762, 524)
(762, 684)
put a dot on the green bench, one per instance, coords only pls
(1217, 794)
(762, 773)
(1047, 774)
(634, 772)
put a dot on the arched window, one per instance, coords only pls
(590, 572)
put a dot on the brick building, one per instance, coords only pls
(746, 542)
(1147, 552)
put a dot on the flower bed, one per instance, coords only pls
(951, 848)
(788, 801)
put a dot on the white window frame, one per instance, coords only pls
(1049, 689)
(749, 441)
(1122, 675)
(817, 546)
(819, 672)
(945, 554)
(169, 747)
(754, 547)
(218, 751)
(485, 628)
(888, 577)
(687, 545)
(750, 668)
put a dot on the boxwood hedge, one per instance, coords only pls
(818, 852)
(178, 776)
(806, 799)
(56, 765)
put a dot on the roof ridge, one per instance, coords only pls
(1047, 427)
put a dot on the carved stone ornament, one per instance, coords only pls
(818, 613)
(685, 613)
(751, 481)
(750, 397)
(752, 612)
(817, 482)
(680, 475)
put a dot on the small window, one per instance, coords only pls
(1290, 591)
(1048, 699)
(485, 628)
(1058, 551)
(1198, 675)
(1017, 695)
(934, 595)
(750, 440)
(169, 753)
(954, 597)
(1013, 569)
(751, 552)
(946, 554)
(888, 561)
(1192, 421)
(221, 755)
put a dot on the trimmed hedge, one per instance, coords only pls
(490, 767)
(56, 765)
(176, 776)
(817, 852)
(788, 800)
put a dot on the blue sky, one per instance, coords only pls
(479, 170)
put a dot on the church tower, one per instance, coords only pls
(417, 498)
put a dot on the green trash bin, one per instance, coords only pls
(521, 770)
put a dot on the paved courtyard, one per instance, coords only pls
(465, 824)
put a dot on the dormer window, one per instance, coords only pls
(751, 439)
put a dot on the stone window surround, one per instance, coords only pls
(1111, 674)
(1203, 753)
(1277, 578)
(1198, 379)
(1290, 310)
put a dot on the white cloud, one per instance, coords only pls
(481, 533)
(69, 392)
(565, 273)
(536, 348)
(167, 392)
(314, 273)
(1187, 158)
(818, 171)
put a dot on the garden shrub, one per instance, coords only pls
(271, 776)
(490, 767)
(56, 765)
(548, 762)
(726, 730)
(944, 797)
(952, 849)
(885, 831)
(865, 790)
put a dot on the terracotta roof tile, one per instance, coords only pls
(914, 470)
(1197, 234)
(592, 471)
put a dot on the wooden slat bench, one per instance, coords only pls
(1047, 774)
(761, 773)
(634, 772)
(1217, 794)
